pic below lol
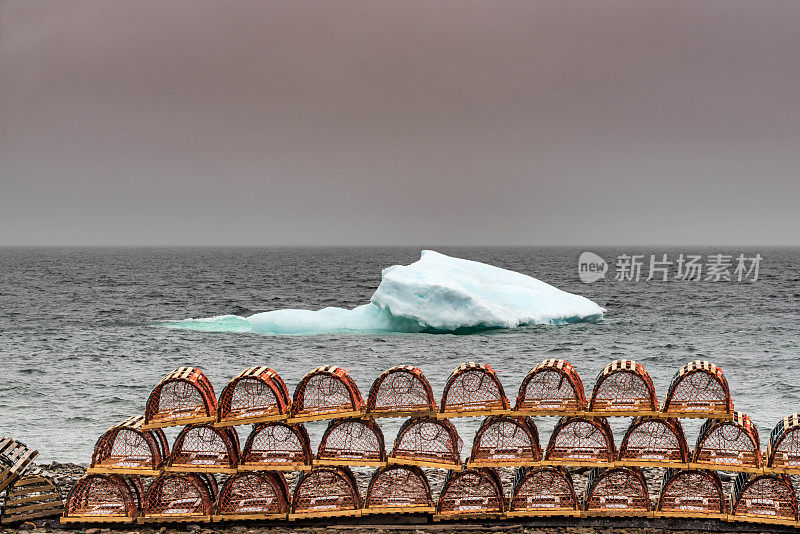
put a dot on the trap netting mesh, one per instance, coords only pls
(692, 491)
(783, 450)
(581, 439)
(698, 387)
(204, 447)
(324, 391)
(429, 441)
(277, 445)
(764, 496)
(352, 439)
(728, 444)
(398, 486)
(255, 392)
(326, 489)
(185, 393)
(543, 489)
(553, 385)
(102, 496)
(473, 387)
(648, 439)
(506, 440)
(472, 492)
(254, 493)
(179, 495)
(127, 446)
(618, 489)
(623, 385)
(403, 389)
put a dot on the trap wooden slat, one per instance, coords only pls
(720, 416)
(124, 471)
(649, 463)
(400, 413)
(248, 517)
(547, 413)
(726, 467)
(616, 513)
(762, 520)
(274, 467)
(349, 462)
(325, 416)
(472, 413)
(180, 422)
(19, 456)
(325, 513)
(688, 515)
(88, 519)
(172, 518)
(510, 462)
(576, 463)
(253, 420)
(424, 463)
(556, 512)
(468, 515)
(376, 510)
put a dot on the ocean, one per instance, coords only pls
(81, 344)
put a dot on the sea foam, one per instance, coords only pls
(438, 293)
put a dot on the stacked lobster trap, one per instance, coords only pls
(209, 475)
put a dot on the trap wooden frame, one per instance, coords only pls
(102, 499)
(278, 446)
(581, 441)
(473, 390)
(623, 388)
(189, 398)
(752, 495)
(127, 449)
(399, 489)
(505, 441)
(552, 388)
(31, 497)
(653, 442)
(698, 389)
(783, 449)
(327, 392)
(326, 492)
(179, 497)
(728, 446)
(428, 442)
(256, 395)
(691, 493)
(15, 458)
(464, 492)
(617, 492)
(354, 442)
(402, 391)
(543, 492)
(253, 495)
(204, 448)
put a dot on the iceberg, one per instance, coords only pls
(437, 293)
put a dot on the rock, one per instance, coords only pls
(93, 531)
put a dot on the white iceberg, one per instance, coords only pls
(438, 293)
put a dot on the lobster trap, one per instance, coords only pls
(256, 395)
(473, 389)
(623, 388)
(650, 442)
(180, 497)
(398, 489)
(551, 388)
(618, 491)
(205, 448)
(764, 499)
(183, 397)
(428, 442)
(326, 492)
(783, 450)
(543, 491)
(126, 448)
(352, 442)
(580, 441)
(728, 445)
(253, 495)
(505, 441)
(326, 392)
(103, 499)
(473, 493)
(32, 497)
(15, 457)
(691, 493)
(699, 389)
(401, 391)
(277, 445)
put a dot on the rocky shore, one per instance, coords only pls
(66, 474)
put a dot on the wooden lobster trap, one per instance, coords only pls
(277, 446)
(699, 389)
(471, 494)
(428, 442)
(103, 499)
(617, 491)
(650, 442)
(127, 449)
(399, 489)
(580, 441)
(505, 441)
(623, 388)
(253, 495)
(764, 499)
(783, 450)
(180, 497)
(728, 445)
(15, 457)
(543, 491)
(473, 389)
(327, 392)
(255, 395)
(31, 497)
(356, 442)
(551, 388)
(326, 492)
(205, 448)
(691, 493)
(401, 391)
(183, 397)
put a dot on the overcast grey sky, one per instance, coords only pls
(395, 122)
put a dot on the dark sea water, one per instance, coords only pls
(80, 348)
